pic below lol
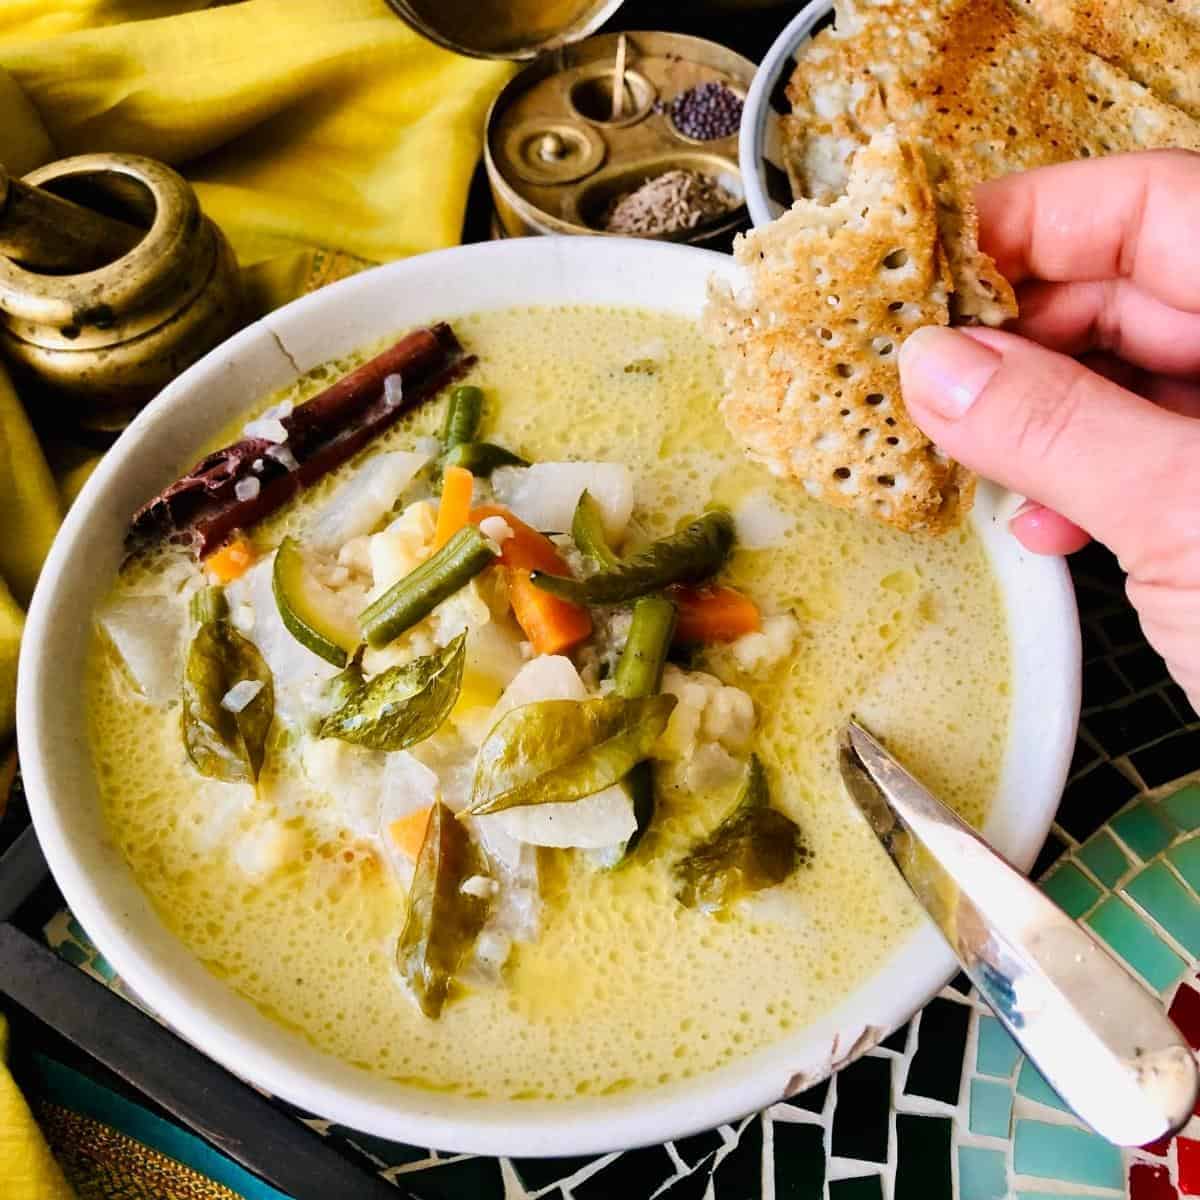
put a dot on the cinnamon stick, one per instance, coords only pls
(322, 433)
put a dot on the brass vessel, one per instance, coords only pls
(515, 29)
(158, 287)
(557, 156)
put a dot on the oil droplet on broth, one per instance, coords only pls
(313, 946)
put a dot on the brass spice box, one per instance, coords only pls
(557, 158)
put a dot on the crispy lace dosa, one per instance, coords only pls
(810, 344)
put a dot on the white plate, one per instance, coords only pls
(101, 891)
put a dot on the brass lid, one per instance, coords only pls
(517, 29)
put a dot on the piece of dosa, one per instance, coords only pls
(1150, 40)
(984, 91)
(809, 346)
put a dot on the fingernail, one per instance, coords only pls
(944, 370)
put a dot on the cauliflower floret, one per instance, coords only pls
(404, 544)
(729, 718)
(710, 767)
(707, 712)
(755, 652)
(356, 555)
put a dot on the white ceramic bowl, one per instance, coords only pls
(100, 889)
(760, 154)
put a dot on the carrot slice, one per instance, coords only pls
(550, 623)
(455, 507)
(232, 560)
(527, 547)
(713, 614)
(409, 832)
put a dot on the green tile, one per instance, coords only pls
(982, 1174)
(997, 1053)
(991, 1108)
(1143, 830)
(1032, 1085)
(1071, 890)
(1104, 858)
(1183, 807)
(1186, 857)
(1136, 943)
(1066, 1153)
(1166, 899)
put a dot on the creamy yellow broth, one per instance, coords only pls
(624, 988)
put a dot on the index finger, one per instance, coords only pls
(1130, 216)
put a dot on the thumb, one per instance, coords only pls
(1047, 427)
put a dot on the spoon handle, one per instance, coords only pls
(1099, 1037)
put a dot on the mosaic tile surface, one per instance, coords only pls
(946, 1107)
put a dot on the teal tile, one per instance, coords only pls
(1186, 858)
(1104, 858)
(1051, 1196)
(1143, 830)
(1183, 807)
(1066, 1153)
(1166, 899)
(1033, 1086)
(1071, 890)
(991, 1108)
(1136, 943)
(997, 1053)
(982, 1174)
(72, 953)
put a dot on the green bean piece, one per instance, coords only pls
(482, 458)
(420, 591)
(463, 415)
(639, 673)
(587, 530)
(695, 552)
(209, 604)
(640, 669)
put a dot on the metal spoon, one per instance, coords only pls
(1101, 1039)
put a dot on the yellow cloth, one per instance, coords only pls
(27, 1169)
(321, 135)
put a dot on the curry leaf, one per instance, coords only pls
(401, 706)
(443, 921)
(222, 744)
(562, 750)
(755, 847)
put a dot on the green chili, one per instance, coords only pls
(695, 552)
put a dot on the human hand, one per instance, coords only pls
(1105, 256)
